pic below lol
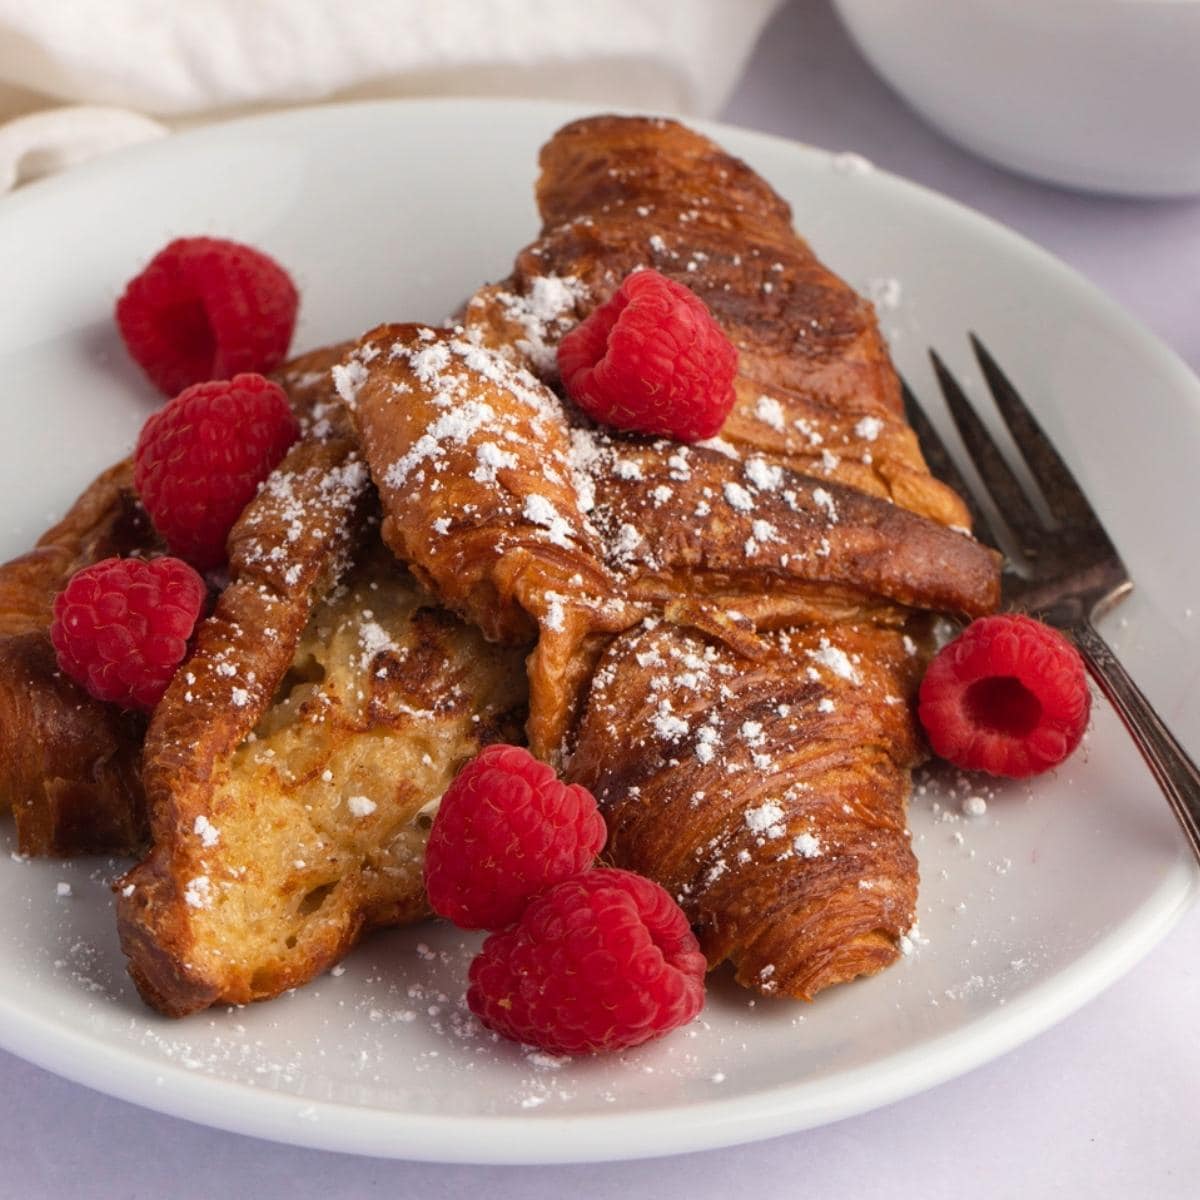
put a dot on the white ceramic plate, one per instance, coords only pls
(398, 211)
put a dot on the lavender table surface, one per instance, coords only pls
(1100, 1106)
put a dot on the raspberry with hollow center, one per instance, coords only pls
(1008, 696)
(600, 962)
(200, 459)
(506, 828)
(121, 627)
(207, 308)
(652, 360)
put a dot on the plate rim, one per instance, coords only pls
(493, 1138)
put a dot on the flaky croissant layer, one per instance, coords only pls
(767, 795)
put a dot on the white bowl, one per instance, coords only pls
(1096, 94)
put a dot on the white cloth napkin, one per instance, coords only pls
(80, 77)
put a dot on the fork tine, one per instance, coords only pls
(1064, 496)
(996, 474)
(942, 464)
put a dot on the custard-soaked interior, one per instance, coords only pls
(317, 816)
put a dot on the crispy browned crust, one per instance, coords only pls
(814, 508)
(772, 544)
(68, 763)
(287, 764)
(620, 193)
(767, 795)
(70, 767)
(472, 460)
(241, 654)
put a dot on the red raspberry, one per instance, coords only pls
(200, 458)
(651, 359)
(1009, 696)
(121, 627)
(505, 829)
(603, 961)
(205, 308)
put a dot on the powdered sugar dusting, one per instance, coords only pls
(543, 315)
(763, 475)
(770, 412)
(541, 512)
(824, 500)
(360, 806)
(807, 845)
(767, 820)
(206, 831)
(374, 640)
(199, 892)
(491, 458)
(457, 425)
(835, 659)
(348, 379)
(868, 428)
(737, 497)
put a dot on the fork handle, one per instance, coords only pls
(1168, 761)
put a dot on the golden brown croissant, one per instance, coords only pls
(689, 524)
(816, 390)
(816, 393)
(767, 795)
(70, 766)
(813, 506)
(472, 460)
(288, 763)
(68, 763)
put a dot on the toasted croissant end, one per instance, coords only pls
(816, 391)
(618, 193)
(471, 458)
(602, 167)
(758, 537)
(274, 853)
(69, 765)
(767, 795)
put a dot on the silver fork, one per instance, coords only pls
(1068, 573)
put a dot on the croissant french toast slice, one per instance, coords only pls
(767, 795)
(68, 763)
(472, 460)
(324, 705)
(694, 523)
(70, 766)
(816, 397)
(815, 391)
